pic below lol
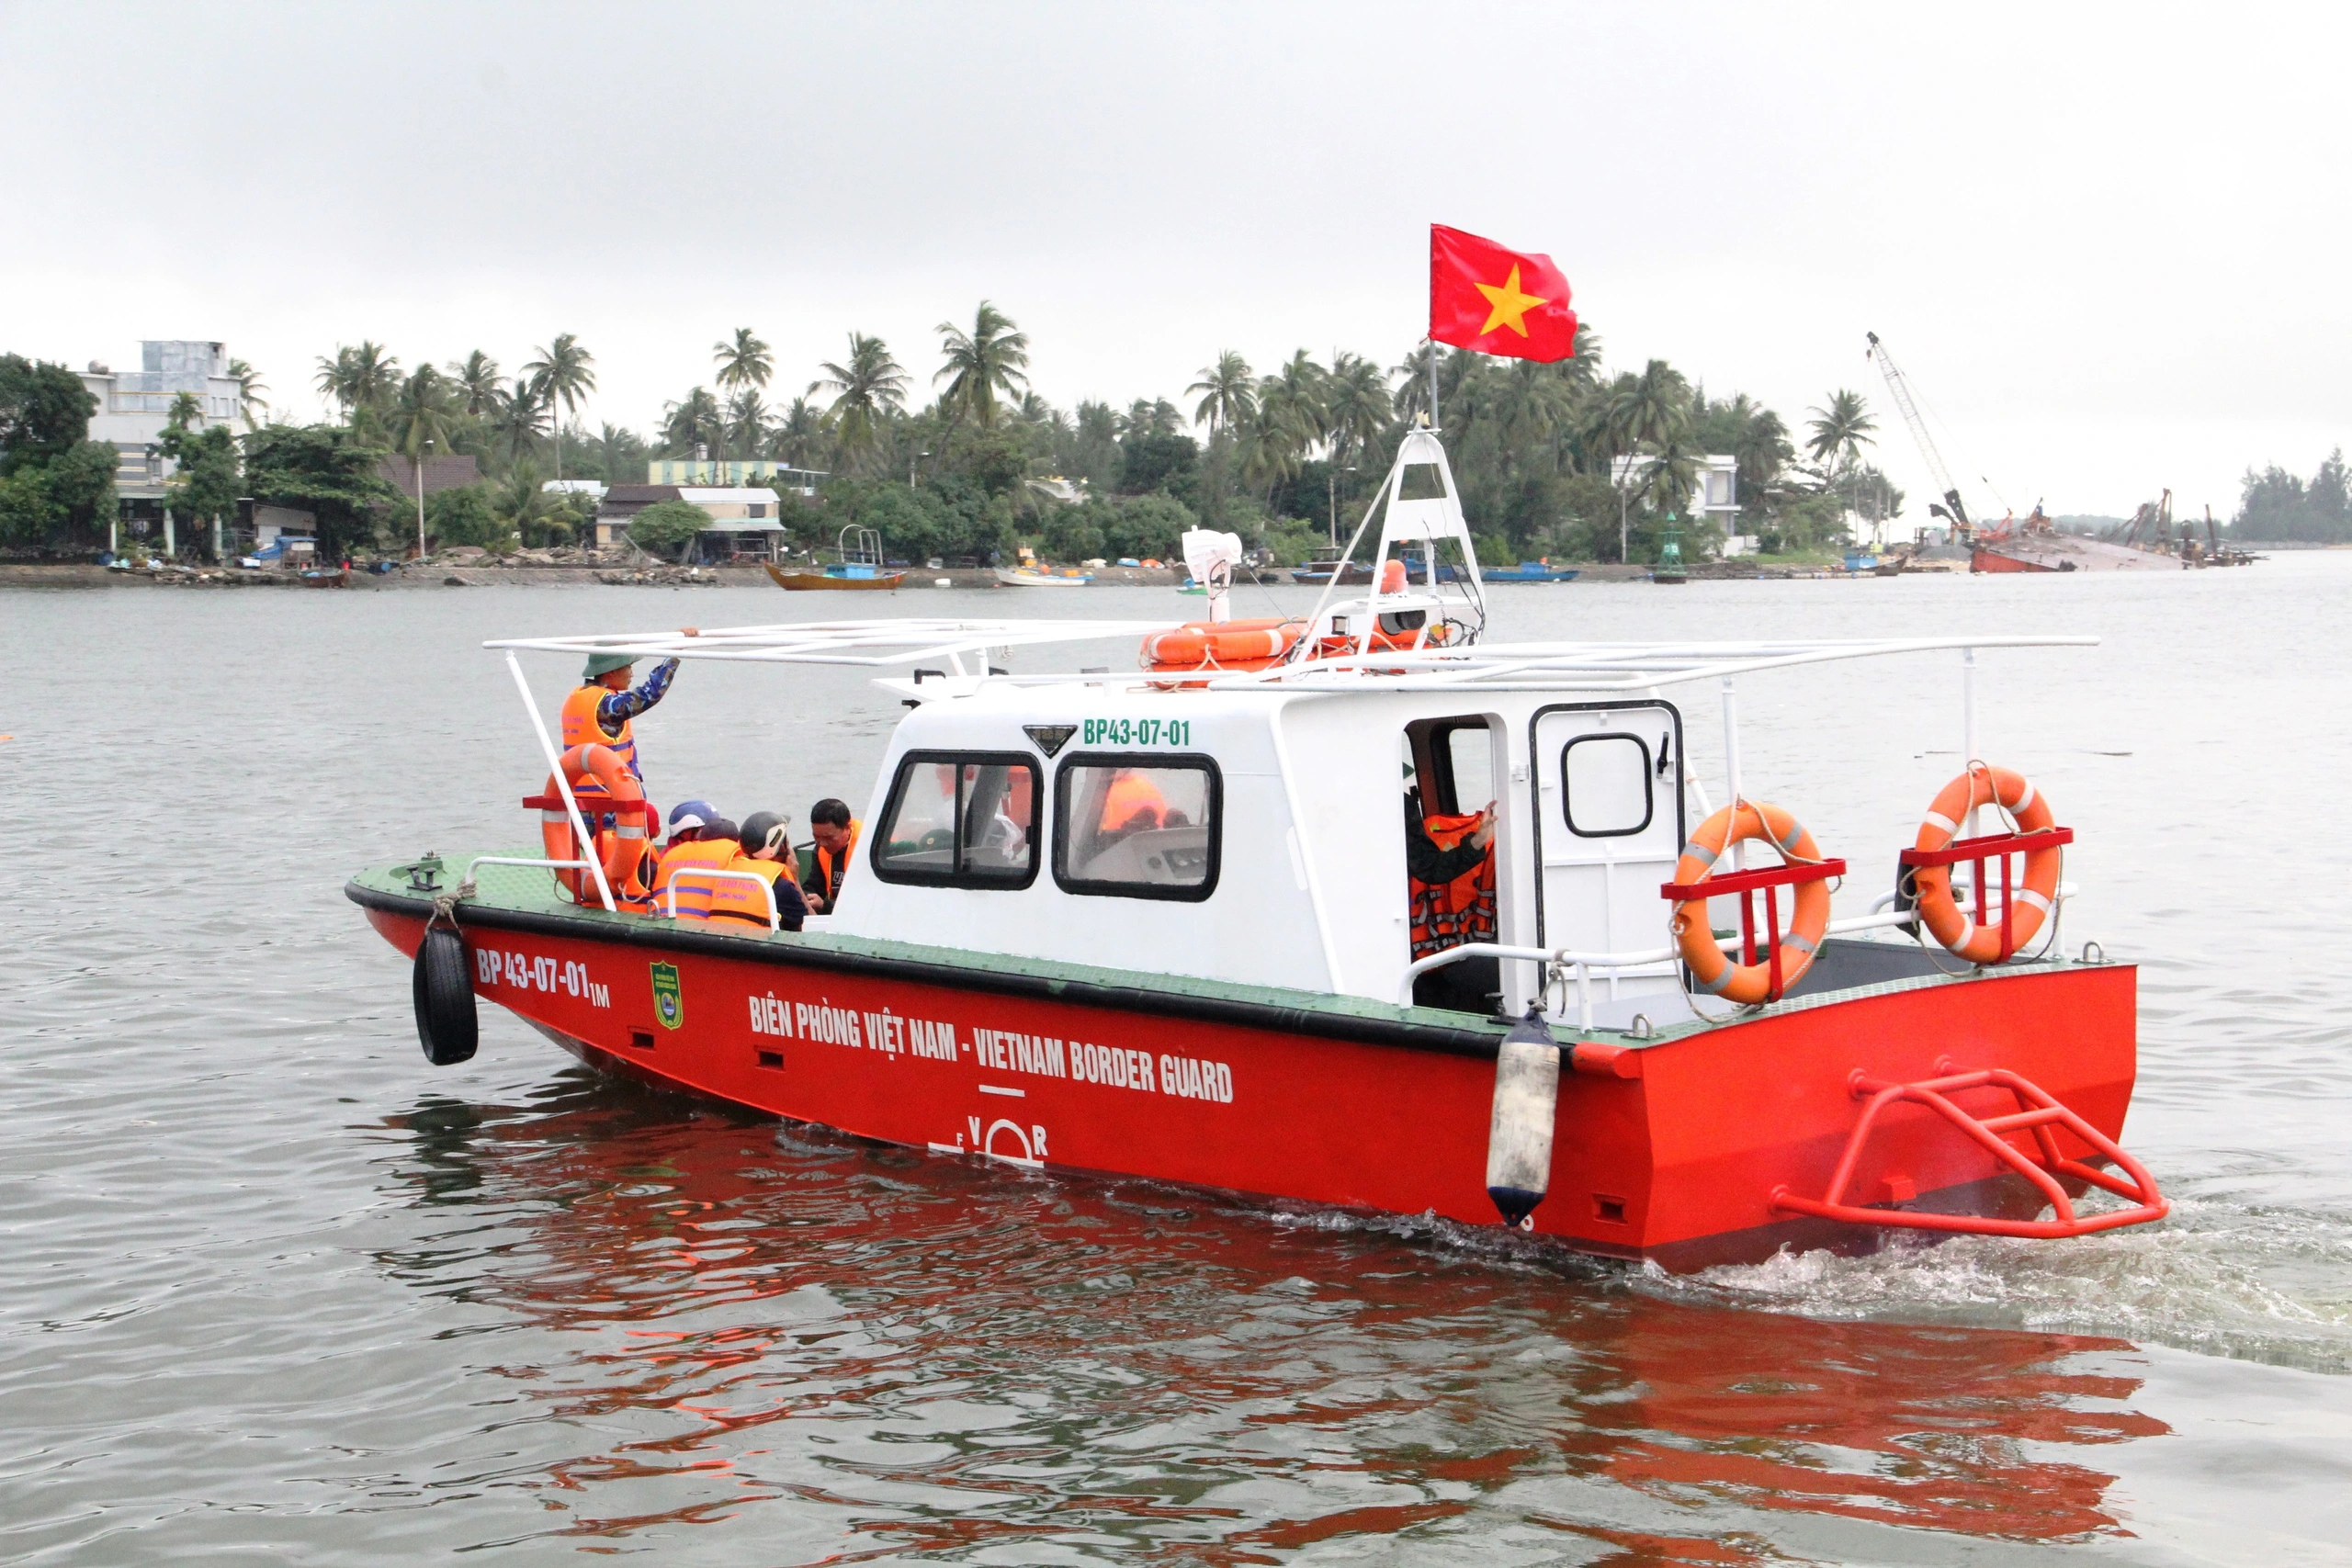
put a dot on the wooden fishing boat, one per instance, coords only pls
(858, 568)
(323, 577)
(1162, 924)
(1030, 576)
(836, 578)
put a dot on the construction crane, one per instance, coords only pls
(1952, 511)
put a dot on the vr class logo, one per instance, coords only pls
(669, 1001)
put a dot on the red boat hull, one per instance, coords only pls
(1669, 1151)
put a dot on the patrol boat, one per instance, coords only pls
(1162, 924)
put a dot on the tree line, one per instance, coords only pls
(1565, 460)
(2276, 505)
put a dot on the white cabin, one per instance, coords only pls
(1289, 868)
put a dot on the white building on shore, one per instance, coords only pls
(134, 405)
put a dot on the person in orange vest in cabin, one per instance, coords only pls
(699, 839)
(1134, 802)
(765, 849)
(835, 832)
(1450, 870)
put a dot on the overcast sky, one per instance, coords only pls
(2103, 242)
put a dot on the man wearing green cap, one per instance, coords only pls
(599, 711)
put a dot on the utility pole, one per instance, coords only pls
(418, 462)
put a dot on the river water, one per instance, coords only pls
(272, 1290)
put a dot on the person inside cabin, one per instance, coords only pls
(1133, 804)
(602, 709)
(1450, 873)
(836, 833)
(765, 849)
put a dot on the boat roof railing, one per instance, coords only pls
(1523, 666)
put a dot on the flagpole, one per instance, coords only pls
(1433, 342)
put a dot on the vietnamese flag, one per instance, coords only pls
(1492, 300)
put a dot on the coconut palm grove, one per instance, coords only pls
(950, 451)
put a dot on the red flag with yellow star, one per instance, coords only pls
(1493, 301)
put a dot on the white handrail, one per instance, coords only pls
(586, 840)
(1587, 963)
(767, 889)
(518, 859)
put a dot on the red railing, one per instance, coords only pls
(1746, 883)
(1992, 846)
(2037, 1113)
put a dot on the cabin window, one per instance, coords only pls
(1607, 785)
(1138, 826)
(960, 819)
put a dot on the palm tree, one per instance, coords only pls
(563, 374)
(1147, 416)
(422, 414)
(1653, 408)
(518, 418)
(798, 431)
(475, 381)
(868, 389)
(1229, 393)
(1841, 431)
(747, 421)
(1290, 400)
(250, 388)
(744, 361)
(695, 425)
(1355, 405)
(359, 380)
(992, 358)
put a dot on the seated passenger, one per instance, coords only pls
(1450, 871)
(836, 833)
(1133, 804)
(707, 845)
(765, 849)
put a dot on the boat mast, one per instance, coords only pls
(1900, 391)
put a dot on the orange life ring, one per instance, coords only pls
(1694, 935)
(1939, 911)
(1201, 646)
(623, 848)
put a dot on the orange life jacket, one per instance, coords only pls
(583, 727)
(732, 898)
(829, 875)
(1448, 914)
(695, 892)
(1130, 794)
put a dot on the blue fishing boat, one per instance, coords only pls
(1532, 572)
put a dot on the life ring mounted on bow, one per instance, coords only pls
(621, 850)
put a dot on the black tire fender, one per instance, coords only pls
(446, 1024)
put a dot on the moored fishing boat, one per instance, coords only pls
(1032, 576)
(1167, 924)
(859, 567)
(1532, 572)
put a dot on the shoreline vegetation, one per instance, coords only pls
(1568, 462)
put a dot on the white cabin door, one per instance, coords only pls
(1608, 831)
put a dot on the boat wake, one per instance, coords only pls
(2264, 1284)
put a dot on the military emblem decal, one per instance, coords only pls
(669, 1001)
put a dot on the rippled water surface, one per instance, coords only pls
(272, 1290)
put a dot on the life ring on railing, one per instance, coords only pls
(1694, 935)
(1939, 911)
(621, 850)
(1205, 645)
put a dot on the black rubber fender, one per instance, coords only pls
(446, 1024)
